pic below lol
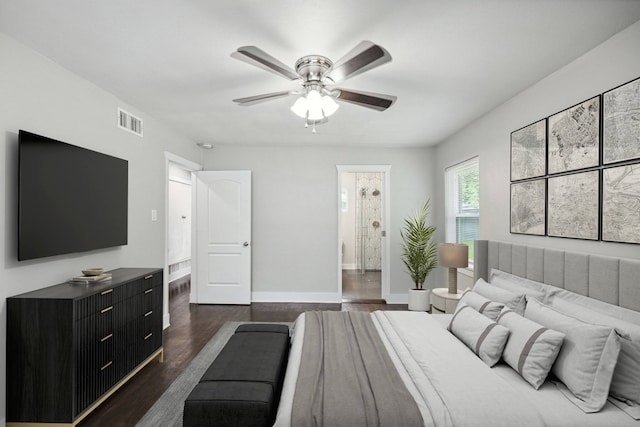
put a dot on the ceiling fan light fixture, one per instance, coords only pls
(329, 106)
(315, 114)
(314, 106)
(299, 108)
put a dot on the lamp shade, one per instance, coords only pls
(453, 255)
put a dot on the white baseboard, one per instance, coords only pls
(349, 266)
(166, 321)
(179, 274)
(316, 297)
(398, 298)
(311, 297)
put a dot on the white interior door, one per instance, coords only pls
(223, 237)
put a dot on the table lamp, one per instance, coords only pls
(454, 256)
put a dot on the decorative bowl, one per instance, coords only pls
(95, 271)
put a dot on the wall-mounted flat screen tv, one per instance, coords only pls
(70, 199)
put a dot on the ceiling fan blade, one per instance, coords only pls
(374, 101)
(252, 100)
(365, 56)
(258, 57)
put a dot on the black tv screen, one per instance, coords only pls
(70, 199)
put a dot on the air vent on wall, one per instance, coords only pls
(129, 122)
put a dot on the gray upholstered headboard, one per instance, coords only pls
(612, 280)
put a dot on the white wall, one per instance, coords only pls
(295, 212)
(39, 96)
(614, 62)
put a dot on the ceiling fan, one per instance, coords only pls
(317, 74)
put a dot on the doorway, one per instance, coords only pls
(363, 210)
(178, 228)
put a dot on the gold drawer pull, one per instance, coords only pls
(148, 277)
(148, 291)
(106, 338)
(107, 365)
(104, 310)
(148, 336)
(148, 313)
(108, 291)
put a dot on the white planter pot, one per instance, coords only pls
(419, 299)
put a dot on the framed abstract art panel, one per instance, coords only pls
(573, 205)
(528, 207)
(574, 137)
(621, 204)
(529, 151)
(621, 123)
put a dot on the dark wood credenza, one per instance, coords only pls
(70, 346)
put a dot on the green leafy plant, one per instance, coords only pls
(419, 252)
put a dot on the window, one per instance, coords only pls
(462, 205)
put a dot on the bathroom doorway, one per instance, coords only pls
(362, 237)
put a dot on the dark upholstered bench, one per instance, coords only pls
(243, 384)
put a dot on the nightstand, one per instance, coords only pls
(442, 302)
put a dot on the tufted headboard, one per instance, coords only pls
(612, 280)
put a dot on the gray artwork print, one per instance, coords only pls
(529, 151)
(621, 204)
(528, 207)
(574, 137)
(621, 121)
(573, 206)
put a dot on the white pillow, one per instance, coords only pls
(521, 285)
(482, 335)
(531, 348)
(625, 384)
(587, 358)
(482, 305)
(514, 301)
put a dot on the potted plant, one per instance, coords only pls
(419, 254)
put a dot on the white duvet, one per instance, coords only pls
(452, 386)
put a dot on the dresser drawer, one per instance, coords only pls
(98, 302)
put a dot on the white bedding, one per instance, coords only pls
(452, 386)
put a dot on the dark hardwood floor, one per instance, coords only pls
(192, 326)
(359, 287)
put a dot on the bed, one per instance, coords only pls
(544, 338)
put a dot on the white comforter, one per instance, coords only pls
(451, 385)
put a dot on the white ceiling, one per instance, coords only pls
(453, 61)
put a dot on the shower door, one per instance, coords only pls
(368, 246)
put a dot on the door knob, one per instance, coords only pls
(245, 244)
